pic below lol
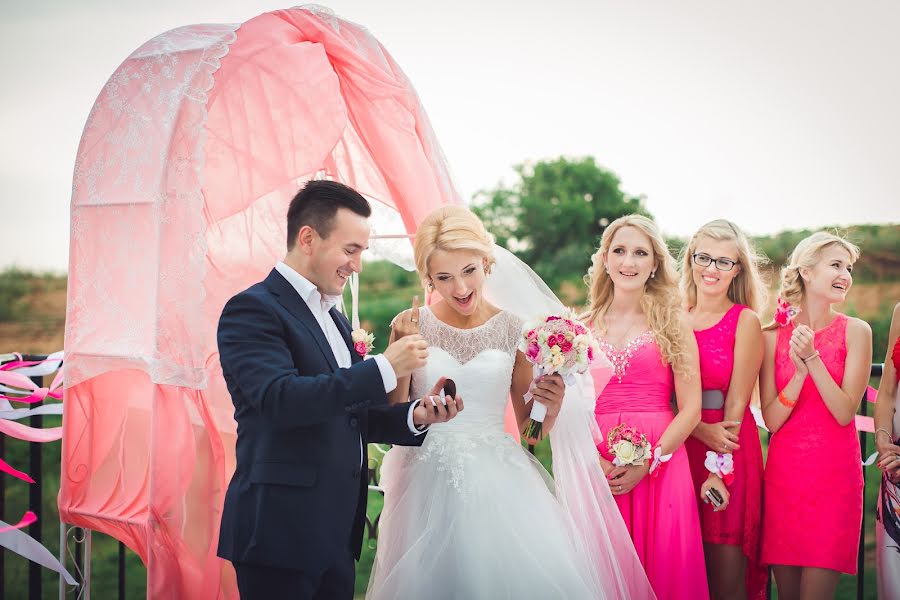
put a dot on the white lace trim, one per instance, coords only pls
(500, 332)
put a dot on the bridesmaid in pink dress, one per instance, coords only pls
(719, 280)
(887, 441)
(635, 310)
(814, 374)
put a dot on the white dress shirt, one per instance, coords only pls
(319, 305)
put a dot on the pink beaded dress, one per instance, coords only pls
(661, 511)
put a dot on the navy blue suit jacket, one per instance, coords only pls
(298, 495)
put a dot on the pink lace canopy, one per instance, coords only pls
(188, 160)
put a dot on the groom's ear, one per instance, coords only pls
(305, 238)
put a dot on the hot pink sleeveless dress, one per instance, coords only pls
(739, 524)
(812, 495)
(660, 512)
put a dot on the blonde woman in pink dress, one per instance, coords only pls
(635, 310)
(814, 373)
(722, 288)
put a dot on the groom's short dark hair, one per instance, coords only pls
(316, 205)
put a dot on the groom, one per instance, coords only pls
(306, 404)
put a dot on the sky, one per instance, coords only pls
(776, 115)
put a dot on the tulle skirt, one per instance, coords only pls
(474, 516)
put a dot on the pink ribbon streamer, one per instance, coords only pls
(7, 468)
(27, 519)
(30, 434)
(34, 393)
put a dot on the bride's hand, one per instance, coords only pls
(407, 322)
(549, 391)
(623, 479)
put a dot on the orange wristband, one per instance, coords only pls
(785, 400)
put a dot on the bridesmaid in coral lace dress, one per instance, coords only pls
(634, 307)
(887, 441)
(719, 280)
(814, 374)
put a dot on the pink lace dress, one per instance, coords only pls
(812, 495)
(740, 524)
(660, 512)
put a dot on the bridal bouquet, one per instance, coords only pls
(628, 445)
(555, 344)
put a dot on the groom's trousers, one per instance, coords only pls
(256, 582)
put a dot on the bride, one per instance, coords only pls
(471, 514)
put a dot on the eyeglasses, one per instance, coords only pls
(722, 264)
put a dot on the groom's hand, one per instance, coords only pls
(436, 407)
(407, 322)
(407, 354)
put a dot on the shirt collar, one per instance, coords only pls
(305, 288)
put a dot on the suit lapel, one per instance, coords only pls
(289, 298)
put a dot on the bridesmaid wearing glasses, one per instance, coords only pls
(722, 289)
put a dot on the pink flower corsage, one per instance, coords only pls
(721, 465)
(784, 312)
(659, 461)
(363, 341)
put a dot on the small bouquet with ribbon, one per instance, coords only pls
(627, 445)
(721, 465)
(555, 344)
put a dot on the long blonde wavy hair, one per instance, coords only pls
(748, 287)
(806, 255)
(451, 228)
(660, 302)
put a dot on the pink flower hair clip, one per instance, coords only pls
(784, 312)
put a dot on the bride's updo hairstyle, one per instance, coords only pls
(661, 301)
(451, 228)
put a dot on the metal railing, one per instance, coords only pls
(81, 538)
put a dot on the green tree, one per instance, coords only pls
(552, 217)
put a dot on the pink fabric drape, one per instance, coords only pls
(187, 163)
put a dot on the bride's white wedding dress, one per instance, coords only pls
(471, 514)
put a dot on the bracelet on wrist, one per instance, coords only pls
(785, 400)
(885, 431)
(810, 357)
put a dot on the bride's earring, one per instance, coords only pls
(430, 285)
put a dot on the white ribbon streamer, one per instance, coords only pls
(24, 545)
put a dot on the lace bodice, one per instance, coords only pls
(716, 347)
(479, 360)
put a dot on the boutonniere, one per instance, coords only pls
(363, 341)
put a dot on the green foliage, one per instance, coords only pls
(13, 289)
(554, 214)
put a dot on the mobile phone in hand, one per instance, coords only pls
(715, 497)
